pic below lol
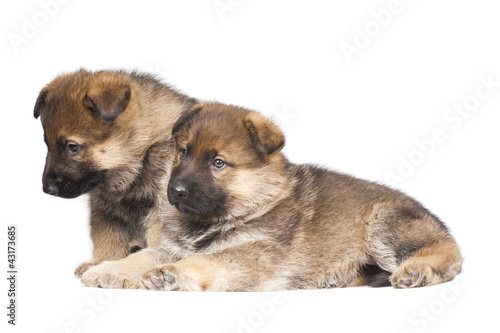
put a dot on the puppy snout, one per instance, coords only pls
(179, 191)
(50, 189)
(50, 183)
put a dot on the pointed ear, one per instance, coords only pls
(267, 137)
(185, 120)
(40, 103)
(108, 99)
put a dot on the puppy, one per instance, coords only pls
(249, 220)
(108, 134)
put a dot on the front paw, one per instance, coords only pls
(190, 274)
(111, 274)
(161, 278)
(82, 268)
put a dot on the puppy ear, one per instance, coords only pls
(185, 120)
(267, 136)
(40, 103)
(107, 99)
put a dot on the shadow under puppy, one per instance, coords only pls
(243, 218)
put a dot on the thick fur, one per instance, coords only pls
(108, 134)
(261, 223)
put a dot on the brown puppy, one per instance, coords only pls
(108, 133)
(249, 220)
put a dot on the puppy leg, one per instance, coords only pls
(125, 273)
(412, 244)
(243, 268)
(433, 264)
(193, 273)
(110, 241)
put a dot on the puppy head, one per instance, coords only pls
(228, 162)
(81, 115)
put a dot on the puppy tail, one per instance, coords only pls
(382, 279)
(373, 276)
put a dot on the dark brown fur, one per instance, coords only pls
(261, 223)
(119, 124)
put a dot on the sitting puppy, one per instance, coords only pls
(246, 219)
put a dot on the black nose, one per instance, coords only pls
(179, 190)
(50, 189)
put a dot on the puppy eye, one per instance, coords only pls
(219, 164)
(73, 149)
(183, 152)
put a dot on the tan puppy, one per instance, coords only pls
(246, 219)
(108, 133)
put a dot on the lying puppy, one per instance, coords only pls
(249, 220)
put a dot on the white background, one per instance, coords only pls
(283, 58)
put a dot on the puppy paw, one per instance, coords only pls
(82, 268)
(191, 274)
(412, 275)
(160, 278)
(111, 274)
